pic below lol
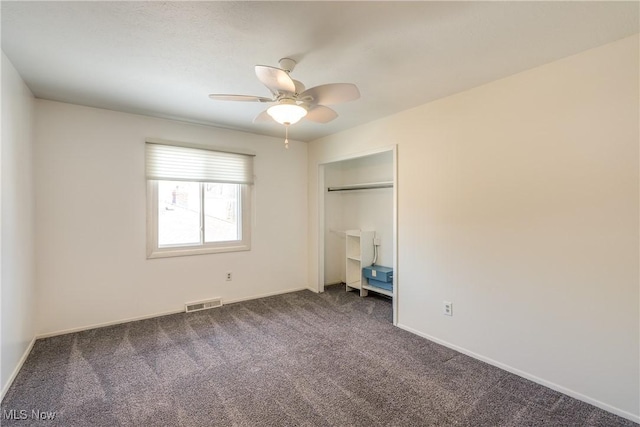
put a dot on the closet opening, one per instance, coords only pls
(358, 224)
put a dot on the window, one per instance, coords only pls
(198, 201)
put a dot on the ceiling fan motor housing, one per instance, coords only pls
(287, 64)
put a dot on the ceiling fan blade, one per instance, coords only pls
(320, 114)
(275, 79)
(329, 94)
(262, 118)
(243, 98)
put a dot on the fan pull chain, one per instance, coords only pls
(286, 137)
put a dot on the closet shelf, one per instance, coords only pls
(359, 254)
(366, 186)
(378, 290)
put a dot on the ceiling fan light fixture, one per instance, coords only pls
(287, 113)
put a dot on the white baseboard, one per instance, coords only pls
(549, 384)
(105, 324)
(151, 316)
(270, 294)
(14, 374)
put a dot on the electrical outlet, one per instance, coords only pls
(376, 241)
(447, 308)
(229, 276)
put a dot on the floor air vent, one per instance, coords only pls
(202, 305)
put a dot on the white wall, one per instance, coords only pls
(365, 210)
(91, 220)
(334, 238)
(519, 202)
(17, 242)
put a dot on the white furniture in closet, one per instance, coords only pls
(359, 254)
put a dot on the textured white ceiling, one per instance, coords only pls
(164, 58)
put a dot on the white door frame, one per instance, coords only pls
(321, 223)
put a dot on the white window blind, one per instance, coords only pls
(175, 163)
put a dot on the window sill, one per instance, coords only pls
(200, 250)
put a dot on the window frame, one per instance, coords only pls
(154, 251)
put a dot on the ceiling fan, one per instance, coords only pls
(292, 101)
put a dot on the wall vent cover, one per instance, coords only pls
(202, 305)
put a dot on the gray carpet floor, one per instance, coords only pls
(298, 359)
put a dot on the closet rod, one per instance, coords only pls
(369, 186)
